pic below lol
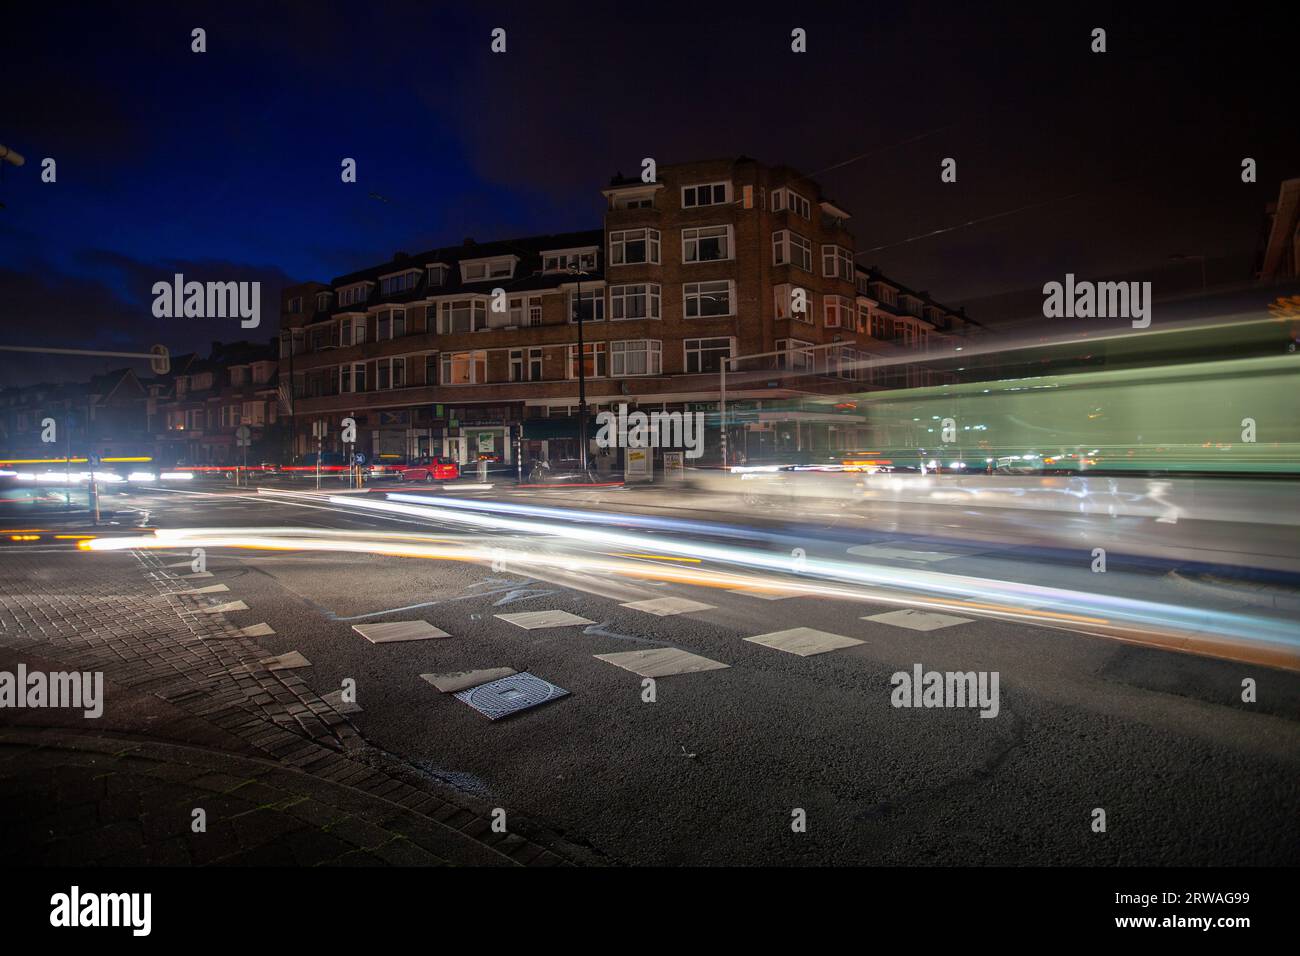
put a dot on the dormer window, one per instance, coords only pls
(481, 270)
(354, 294)
(437, 276)
(564, 260)
(398, 282)
(323, 301)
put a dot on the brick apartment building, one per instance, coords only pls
(196, 410)
(706, 262)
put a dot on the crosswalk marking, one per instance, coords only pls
(917, 620)
(804, 641)
(661, 662)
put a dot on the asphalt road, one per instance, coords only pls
(714, 769)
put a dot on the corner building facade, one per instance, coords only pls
(472, 351)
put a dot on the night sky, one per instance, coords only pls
(225, 165)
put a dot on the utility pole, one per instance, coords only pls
(582, 375)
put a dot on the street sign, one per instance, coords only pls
(359, 458)
(242, 437)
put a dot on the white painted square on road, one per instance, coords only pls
(396, 631)
(257, 630)
(904, 554)
(763, 595)
(917, 620)
(454, 681)
(661, 662)
(281, 662)
(531, 620)
(666, 606)
(223, 608)
(804, 641)
(335, 700)
(210, 589)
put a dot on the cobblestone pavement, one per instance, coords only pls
(125, 615)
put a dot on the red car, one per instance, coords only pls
(431, 469)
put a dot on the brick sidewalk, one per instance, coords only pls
(68, 799)
(191, 676)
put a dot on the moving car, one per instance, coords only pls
(431, 469)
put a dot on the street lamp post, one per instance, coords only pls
(582, 374)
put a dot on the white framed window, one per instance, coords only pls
(706, 194)
(534, 310)
(707, 244)
(239, 375)
(789, 199)
(794, 359)
(790, 248)
(837, 262)
(464, 368)
(707, 299)
(526, 365)
(593, 360)
(632, 246)
(401, 282)
(790, 304)
(837, 312)
(635, 357)
(591, 303)
(390, 373)
(437, 276)
(323, 301)
(295, 305)
(565, 259)
(254, 413)
(463, 315)
(230, 416)
(706, 355)
(640, 301)
(352, 377)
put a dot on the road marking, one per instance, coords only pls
(335, 700)
(917, 620)
(281, 662)
(762, 595)
(804, 641)
(395, 632)
(666, 606)
(531, 620)
(661, 662)
(454, 681)
(223, 608)
(210, 589)
(256, 630)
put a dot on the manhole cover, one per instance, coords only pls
(509, 695)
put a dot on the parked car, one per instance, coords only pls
(431, 469)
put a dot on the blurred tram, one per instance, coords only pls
(1211, 399)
